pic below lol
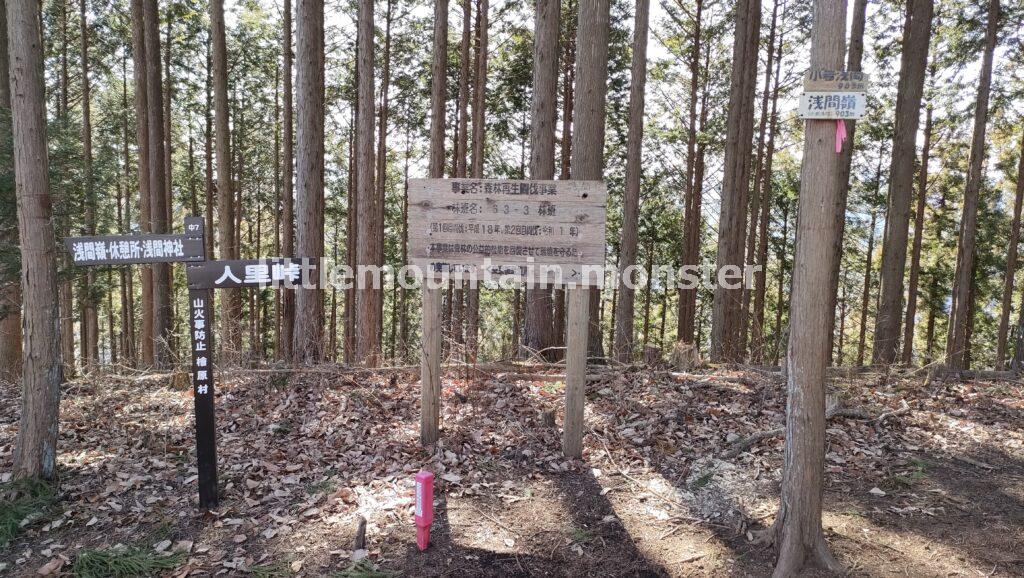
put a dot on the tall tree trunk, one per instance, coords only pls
(866, 295)
(477, 164)
(757, 194)
(67, 331)
(1011, 265)
(35, 450)
(568, 81)
(853, 63)
(622, 343)
(128, 347)
(957, 343)
(142, 137)
(915, 259)
(90, 315)
(589, 110)
(208, 153)
(168, 136)
(308, 344)
(765, 189)
(537, 335)
(367, 295)
(914, 62)
(691, 201)
(403, 293)
(232, 310)
(10, 292)
(780, 303)
(725, 312)
(158, 197)
(382, 163)
(287, 193)
(797, 529)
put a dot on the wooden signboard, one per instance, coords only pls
(537, 232)
(140, 249)
(832, 105)
(821, 80)
(534, 231)
(254, 273)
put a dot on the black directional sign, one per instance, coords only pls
(136, 249)
(271, 272)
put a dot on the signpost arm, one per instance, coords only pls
(430, 365)
(201, 322)
(575, 370)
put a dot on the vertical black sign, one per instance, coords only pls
(201, 323)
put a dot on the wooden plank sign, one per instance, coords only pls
(550, 232)
(832, 105)
(257, 273)
(822, 80)
(139, 249)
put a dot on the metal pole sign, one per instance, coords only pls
(188, 247)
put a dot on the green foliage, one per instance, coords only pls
(127, 563)
(21, 502)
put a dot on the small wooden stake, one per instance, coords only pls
(575, 370)
(430, 366)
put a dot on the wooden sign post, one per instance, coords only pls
(542, 233)
(174, 248)
(203, 278)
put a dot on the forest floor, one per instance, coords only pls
(935, 489)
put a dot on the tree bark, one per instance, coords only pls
(128, 343)
(142, 136)
(382, 161)
(727, 304)
(1011, 265)
(226, 234)
(915, 259)
(568, 81)
(914, 61)
(854, 57)
(35, 451)
(866, 295)
(957, 343)
(537, 335)
(589, 110)
(797, 529)
(10, 292)
(157, 184)
(287, 194)
(622, 343)
(90, 315)
(307, 346)
(756, 197)
(477, 164)
(766, 186)
(761, 193)
(690, 253)
(367, 296)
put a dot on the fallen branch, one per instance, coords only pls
(742, 445)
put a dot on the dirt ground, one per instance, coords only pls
(935, 490)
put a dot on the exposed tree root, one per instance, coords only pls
(794, 553)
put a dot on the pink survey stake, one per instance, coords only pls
(424, 507)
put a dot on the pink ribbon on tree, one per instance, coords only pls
(840, 134)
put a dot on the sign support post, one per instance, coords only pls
(430, 365)
(201, 322)
(578, 325)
